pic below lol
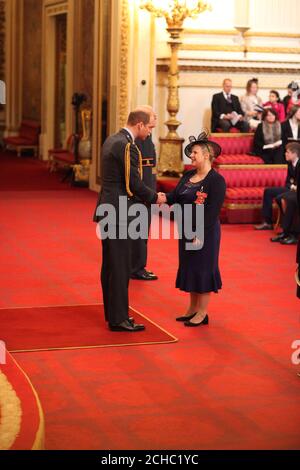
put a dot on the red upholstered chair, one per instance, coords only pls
(28, 138)
(62, 156)
(235, 149)
(245, 189)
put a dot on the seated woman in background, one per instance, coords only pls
(294, 98)
(275, 103)
(288, 100)
(290, 129)
(267, 138)
(250, 103)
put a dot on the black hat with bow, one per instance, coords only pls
(213, 148)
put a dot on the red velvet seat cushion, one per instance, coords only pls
(65, 157)
(239, 159)
(28, 134)
(244, 195)
(55, 151)
(18, 140)
(266, 177)
(247, 186)
(234, 145)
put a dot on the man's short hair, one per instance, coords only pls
(293, 147)
(138, 116)
(227, 80)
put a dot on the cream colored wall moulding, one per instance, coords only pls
(57, 8)
(166, 60)
(230, 69)
(260, 34)
(234, 32)
(229, 48)
(274, 50)
(211, 47)
(212, 32)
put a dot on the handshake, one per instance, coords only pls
(161, 198)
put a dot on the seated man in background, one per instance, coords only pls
(227, 111)
(292, 155)
(289, 207)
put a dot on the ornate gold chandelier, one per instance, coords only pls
(174, 12)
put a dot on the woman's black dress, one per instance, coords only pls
(199, 269)
(269, 156)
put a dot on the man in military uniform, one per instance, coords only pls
(147, 149)
(121, 176)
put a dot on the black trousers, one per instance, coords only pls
(140, 250)
(273, 156)
(226, 125)
(269, 195)
(115, 275)
(139, 253)
(288, 215)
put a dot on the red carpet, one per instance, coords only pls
(31, 174)
(229, 385)
(71, 327)
(21, 415)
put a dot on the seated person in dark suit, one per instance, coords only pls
(292, 155)
(290, 129)
(288, 205)
(267, 138)
(223, 105)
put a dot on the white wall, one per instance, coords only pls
(273, 59)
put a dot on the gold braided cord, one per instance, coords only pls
(127, 167)
(140, 163)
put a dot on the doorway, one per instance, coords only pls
(60, 80)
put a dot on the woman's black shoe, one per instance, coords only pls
(186, 317)
(202, 322)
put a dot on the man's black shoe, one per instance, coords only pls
(291, 240)
(278, 237)
(127, 325)
(144, 276)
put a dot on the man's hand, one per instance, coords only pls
(161, 198)
(293, 187)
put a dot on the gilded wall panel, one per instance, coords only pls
(87, 49)
(32, 59)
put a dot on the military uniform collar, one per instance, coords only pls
(128, 133)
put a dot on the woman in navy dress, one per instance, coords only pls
(198, 271)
